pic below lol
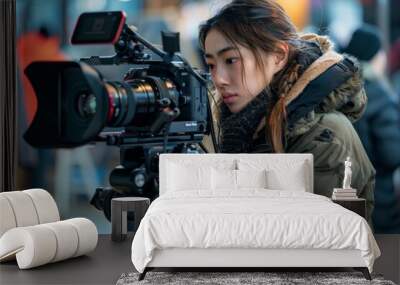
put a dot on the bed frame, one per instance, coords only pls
(242, 259)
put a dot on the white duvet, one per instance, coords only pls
(253, 218)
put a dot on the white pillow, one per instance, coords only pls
(251, 178)
(223, 179)
(293, 179)
(183, 177)
(227, 179)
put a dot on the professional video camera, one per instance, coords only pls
(162, 105)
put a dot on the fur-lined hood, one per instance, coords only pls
(349, 98)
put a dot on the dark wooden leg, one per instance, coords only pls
(143, 274)
(364, 271)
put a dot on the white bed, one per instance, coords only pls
(204, 219)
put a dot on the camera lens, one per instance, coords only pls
(87, 105)
(132, 102)
(75, 103)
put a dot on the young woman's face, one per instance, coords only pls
(237, 81)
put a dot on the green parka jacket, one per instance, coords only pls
(327, 131)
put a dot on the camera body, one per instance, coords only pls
(161, 105)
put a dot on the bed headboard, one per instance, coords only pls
(282, 163)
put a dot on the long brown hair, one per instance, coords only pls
(260, 25)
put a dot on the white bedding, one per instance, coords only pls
(251, 218)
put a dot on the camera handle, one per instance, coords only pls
(164, 120)
(130, 49)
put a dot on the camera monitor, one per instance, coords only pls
(98, 28)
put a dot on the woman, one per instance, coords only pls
(277, 91)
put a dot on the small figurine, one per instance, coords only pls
(347, 174)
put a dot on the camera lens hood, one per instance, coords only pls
(59, 88)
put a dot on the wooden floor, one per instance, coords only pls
(110, 260)
(389, 262)
(103, 266)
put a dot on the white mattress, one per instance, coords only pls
(252, 218)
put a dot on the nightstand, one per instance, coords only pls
(119, 215)
(357, 205)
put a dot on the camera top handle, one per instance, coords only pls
(130, 46)
(111, 27)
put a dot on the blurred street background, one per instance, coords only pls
(367, 29)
